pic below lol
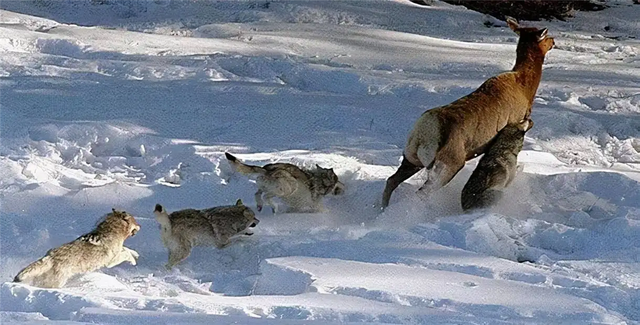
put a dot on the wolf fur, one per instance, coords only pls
(302, 190)
(496, 169)
(184, 229)
(103, 247)
(445, 137)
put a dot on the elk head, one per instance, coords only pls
(533, 41)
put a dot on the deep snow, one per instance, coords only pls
(127, 104)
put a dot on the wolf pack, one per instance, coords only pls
(491, 121)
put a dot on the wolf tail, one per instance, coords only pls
(242, 167)
(481, 200)
(34, 269)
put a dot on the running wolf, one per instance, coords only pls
(496, 169)
(184, 229)
(302, 190)
(103, 247)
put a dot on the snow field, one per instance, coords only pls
(130, 104)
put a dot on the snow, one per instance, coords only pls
(127, 104)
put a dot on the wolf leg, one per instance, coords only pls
(269, 198)
(222, 242)
(403, 173)
(177, 254)
(56, 277)
(126, 255)
(483, 200)
(512, 174)
(51, 282)
(318, 206)
(259, 201)
(221, 239)
(440, 176)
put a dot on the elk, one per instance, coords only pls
(445, 137)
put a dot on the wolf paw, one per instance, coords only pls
(132, 260)
(132, 255)
(135, 254)
(259, 207)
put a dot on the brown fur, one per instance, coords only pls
(445, 137)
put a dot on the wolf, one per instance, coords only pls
(496, 169)
(102, 247)
(302, 190)
(184, 229)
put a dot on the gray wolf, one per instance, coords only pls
(496, 169)
(302, 190)
(184, 229)
(103, 247)
(445, 137)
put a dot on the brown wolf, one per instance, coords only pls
(103, 247)
(496, 169)
(445, 137)
(182, 230)
(302, 190)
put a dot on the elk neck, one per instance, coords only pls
(529, 71)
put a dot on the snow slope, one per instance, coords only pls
(131, 103)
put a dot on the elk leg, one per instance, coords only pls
(403, 173)
(440, 175)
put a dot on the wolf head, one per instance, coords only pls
(162, 216)
(248, 219)
(122, 219)
(249, 214)
(329, 181)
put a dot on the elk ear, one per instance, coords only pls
(513, 24)
(542, 34)
(239, 202)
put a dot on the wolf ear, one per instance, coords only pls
(113, 210)
(542, 34)
(513, 24)
(239, 202)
